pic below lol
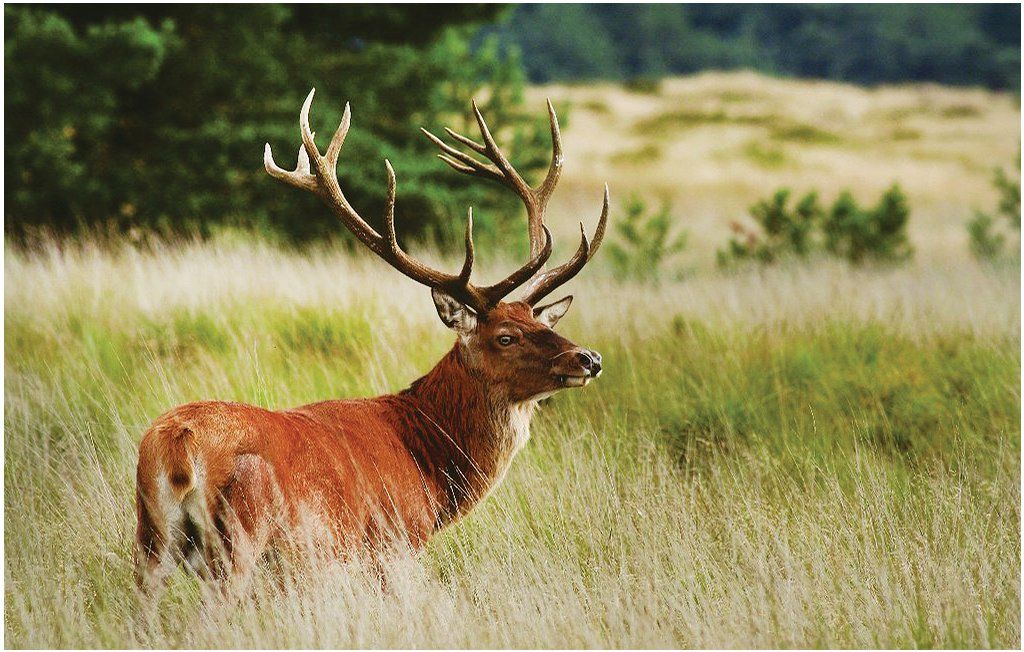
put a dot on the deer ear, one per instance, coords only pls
(551, 313)
(455, 315)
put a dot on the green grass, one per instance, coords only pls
(691, 118)
(639, 156)
(805, 133)
(779, 128)
(764, 155)
(960, 111)
(804, 457)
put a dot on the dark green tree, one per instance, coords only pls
(563, 42)
(156, 115)
(872, 43)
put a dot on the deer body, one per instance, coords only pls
(219, 484)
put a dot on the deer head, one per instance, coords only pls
(511, 345)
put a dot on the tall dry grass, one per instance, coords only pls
(813, 456)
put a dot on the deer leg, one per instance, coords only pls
(154, 559)
(248, 517)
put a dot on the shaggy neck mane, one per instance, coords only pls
(465, 433)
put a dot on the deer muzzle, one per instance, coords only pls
(585, 366)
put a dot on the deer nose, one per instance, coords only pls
(590, 360)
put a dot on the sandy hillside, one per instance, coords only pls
(716, 142)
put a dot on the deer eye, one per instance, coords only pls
(506, 340)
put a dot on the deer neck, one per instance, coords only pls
(466, 431)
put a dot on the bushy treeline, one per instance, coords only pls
(871, 43)
(155, 116)
(643, 242)
(846, 230)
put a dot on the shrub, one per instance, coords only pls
(645, 241)
(845, 230)
(783, 231)
(988, 238)
(880, 233)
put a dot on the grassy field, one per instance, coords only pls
(813, 455)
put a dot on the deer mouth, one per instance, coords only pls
(569, 380)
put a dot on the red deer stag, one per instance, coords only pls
(218, 483)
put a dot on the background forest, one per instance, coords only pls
(123, 116)
(863, 43)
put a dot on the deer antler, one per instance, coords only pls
(534, 199)
(322, 180)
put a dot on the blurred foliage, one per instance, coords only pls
(155, 116)
(988, 237)
(872, 43)
(878, 233)
(645, 241)
(845, 230)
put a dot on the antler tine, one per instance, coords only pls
(544, 284)
(326, 177)
(334, 149)
(500, 169)
(467, 266)
(463, 162)
(307, 135)
(389, 209)
(555, 169)
(458, 286)
(602, 222)
(465, 169)
(300, 177)
(494, 153)
(547, 282)
(468, 142)
(503, 288)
